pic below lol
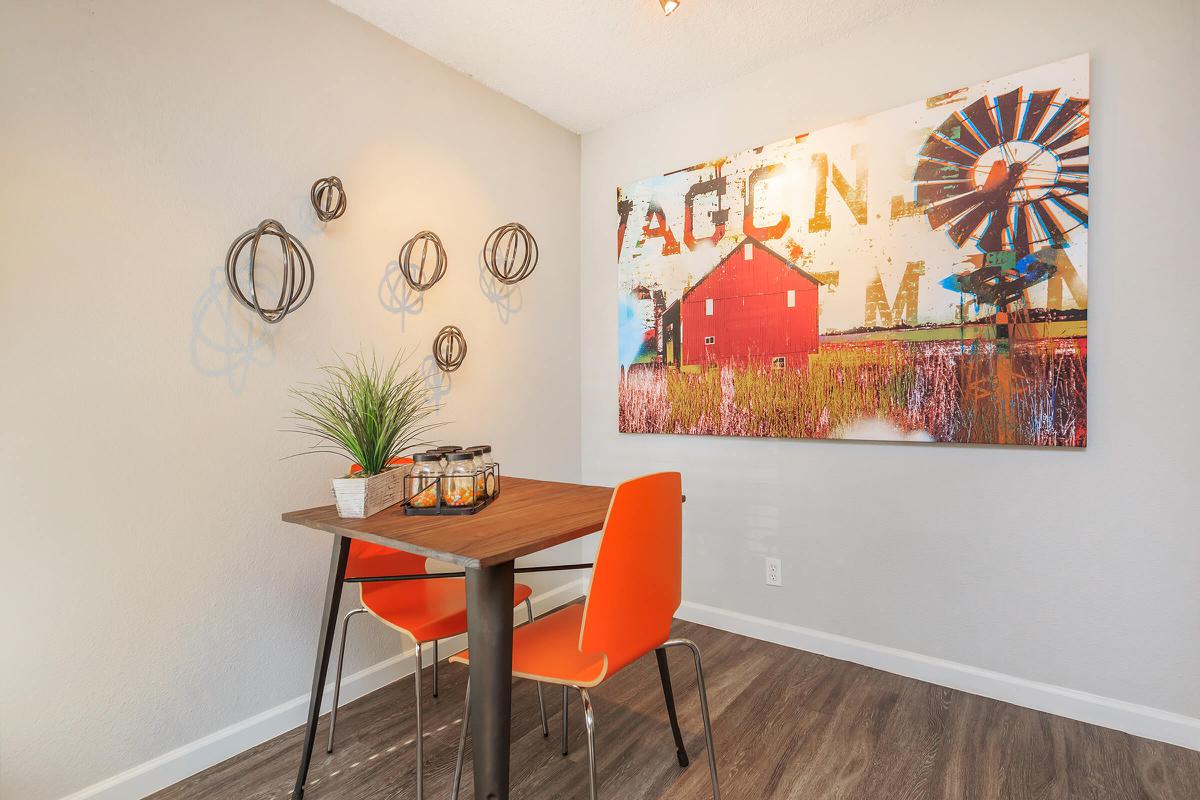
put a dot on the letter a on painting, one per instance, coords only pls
(919, 274)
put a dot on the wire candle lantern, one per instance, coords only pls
(510, 253)
(328, 198)
(298, 274)
(415, 274)
(449, 348)
(466, 487)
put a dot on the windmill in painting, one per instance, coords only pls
(919, 274)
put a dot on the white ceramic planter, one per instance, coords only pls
(361, 497)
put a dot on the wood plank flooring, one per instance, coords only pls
(788, 724)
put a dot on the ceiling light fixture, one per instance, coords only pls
(668, 6)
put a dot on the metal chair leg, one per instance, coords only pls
(541, 699)
(589, 719)
(462, 743)
(664, 673)
(435, 667)
(565, 707)
(420, 727)
(708, 737)
(337, 680)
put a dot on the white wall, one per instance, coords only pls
(151, 596)
(1028, 574)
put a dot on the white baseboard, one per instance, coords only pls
(1144, 721)
(182, 762)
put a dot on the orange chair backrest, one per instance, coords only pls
(399, 561)
(357, 468)
(636, 581)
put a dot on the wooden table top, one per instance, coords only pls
(528, 516)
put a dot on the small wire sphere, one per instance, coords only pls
(328, 198)
(298, 274)
(416, 275)
(510, 253)
(449, 348)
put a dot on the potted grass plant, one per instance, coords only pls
(371, 413)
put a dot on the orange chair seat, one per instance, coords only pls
(426, 610)
(548, 651)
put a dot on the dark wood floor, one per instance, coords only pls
(789, 724)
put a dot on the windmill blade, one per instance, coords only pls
(968, 223)
(1064, 115)
(943, 150)
(1078, 152)
(1071, 187)
(1078, 132)
(1076, 211)
(940, 214)
(933, 171)
(937, 191)
(1035, 112)
(980, 116)
(1006, 112)
(958, 132)
(1045, 218)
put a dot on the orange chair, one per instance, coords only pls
(427, 610)
(634, 595)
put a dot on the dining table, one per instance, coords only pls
(526, 516)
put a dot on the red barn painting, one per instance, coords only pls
(755, 306)
(947, 240)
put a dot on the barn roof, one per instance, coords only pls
(751, 240)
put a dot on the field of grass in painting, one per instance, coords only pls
(1036, 394)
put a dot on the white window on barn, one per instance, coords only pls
(779, 362)
(710, 340)
(708, 306)
(791, 298)
(747, 252)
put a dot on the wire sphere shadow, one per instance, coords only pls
(436, 381)
(507, 298)
(225, 343)
(396, 296)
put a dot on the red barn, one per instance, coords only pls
(753, 307)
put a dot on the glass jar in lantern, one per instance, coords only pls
(477, 464)
(487, 468)
(485, 452)
(422, 481)
(459, 485)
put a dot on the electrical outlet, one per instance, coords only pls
(774, 571)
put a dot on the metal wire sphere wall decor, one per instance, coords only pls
(328, 198)
(297, 279)
(449, 348)
(416, 275)
(510, 253)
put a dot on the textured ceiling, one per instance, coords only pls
(586, 63)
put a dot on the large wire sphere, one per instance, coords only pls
(510, 253)
(298, 274)
(328, 198)
(425, 273)
(449, 348)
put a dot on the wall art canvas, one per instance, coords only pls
(919, 274)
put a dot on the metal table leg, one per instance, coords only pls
(333, 599)
(489, 634)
